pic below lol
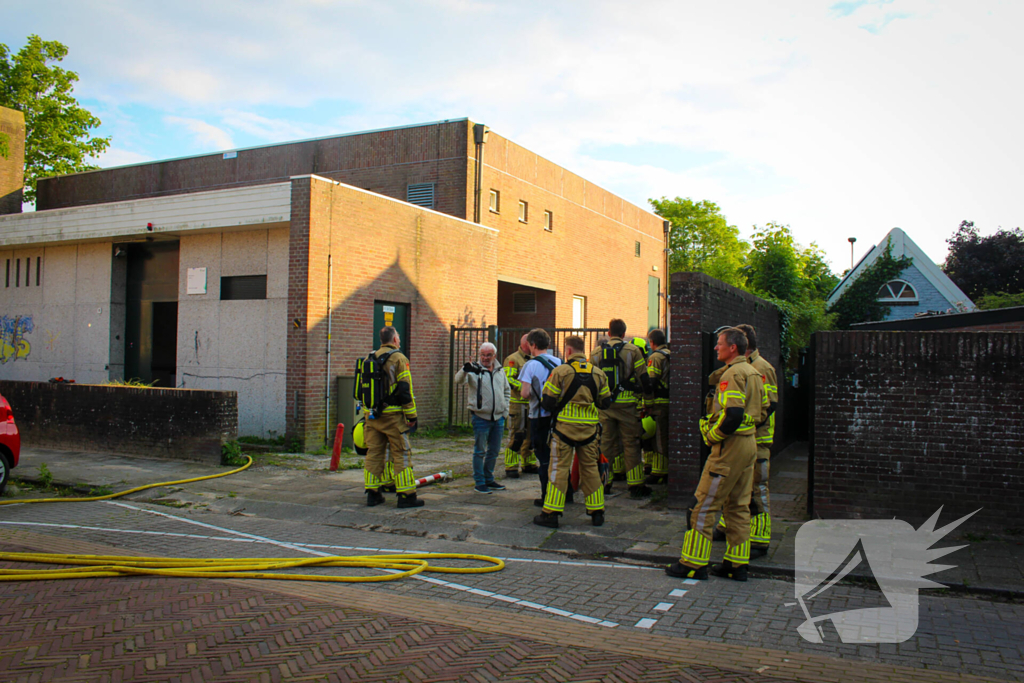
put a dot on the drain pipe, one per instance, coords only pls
(668, 278)
(327, 378)
(480, 132)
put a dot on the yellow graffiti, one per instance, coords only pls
(8, 352)
(51, 339)
(13, 344)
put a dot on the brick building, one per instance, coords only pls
(233, 270)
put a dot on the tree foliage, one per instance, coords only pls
(982, 265)
(999, 300)
(859, 302)
(57, 130)
(701, 240)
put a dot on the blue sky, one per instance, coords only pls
(840, 119)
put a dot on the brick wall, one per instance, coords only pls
(381, 250)
(12, 167)
(543, 317)
(701, 304)
(183, 424)
(905, 422)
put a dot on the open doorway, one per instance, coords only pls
(151, 313)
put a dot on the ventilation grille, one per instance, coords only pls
(524, 302)
(242, 287)
(420, 194)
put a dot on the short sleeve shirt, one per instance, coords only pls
(535, 374)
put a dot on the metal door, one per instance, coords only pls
(397, 316)
(653, 302)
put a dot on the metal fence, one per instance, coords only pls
(465, 344)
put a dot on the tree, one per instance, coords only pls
(57, 139)
(859, 302)
(701, 240)
(999, 300)
(983, 265)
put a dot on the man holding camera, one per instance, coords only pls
(489, 394)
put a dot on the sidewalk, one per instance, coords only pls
(300, 488)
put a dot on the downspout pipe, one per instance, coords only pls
(327, 377)
(667, 225)
(480, 132)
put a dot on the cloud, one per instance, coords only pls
(115, 156)
(203, 133)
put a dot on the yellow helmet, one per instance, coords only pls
(357, 436)
(649, 427)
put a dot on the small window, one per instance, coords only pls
(495, 201)
(636, 249)
(524, 211)
(39, 265)
(242, 287)
(549, 221)
(8, 273)
(17, 272)
(524, 302)
(898, 292)
(28, 272)
(420, 194)
(579, 312)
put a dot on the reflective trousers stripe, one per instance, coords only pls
(738, 554)
(696, 549)
(595, 501)
(554, 500)
(635, 476)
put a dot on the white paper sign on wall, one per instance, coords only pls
(197, 280)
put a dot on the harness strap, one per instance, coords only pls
(571, 442)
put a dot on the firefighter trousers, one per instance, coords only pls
(659, 456)
(620, 437)
(387, 442)
(567, 441)
(519, 448)
(724, 486)
(760, 501)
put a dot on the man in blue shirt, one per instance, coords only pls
(533, 375)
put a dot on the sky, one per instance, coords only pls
(840, 119)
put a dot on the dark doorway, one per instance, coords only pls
(653, 302)
(523, 306)
(151, 313)
(397, 316)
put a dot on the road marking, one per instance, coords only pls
(664, 606)
(646, 623)
(691, 582)
(677, 593)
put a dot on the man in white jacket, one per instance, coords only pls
(489, 395)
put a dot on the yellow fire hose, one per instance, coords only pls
(96, 566)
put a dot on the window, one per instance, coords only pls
(8, 273)
(39, 265)
(636, 249)
(549, 221)
(495, 201)
(579, 312)
(420, 194)
(898, 293)
(524, 302)
(524, 211)
(242, 287)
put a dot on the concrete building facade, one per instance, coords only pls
(267, 271)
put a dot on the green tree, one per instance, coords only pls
(57, 139)
(859, 302)
(999, 300)
(984, 265)
(701, 240)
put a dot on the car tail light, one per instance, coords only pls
(5, 410)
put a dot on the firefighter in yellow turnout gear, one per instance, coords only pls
(738, 406)
(572, 394)
(518, 449)
(624, 366)
(387, 434)
(760, 505)
(656, 404)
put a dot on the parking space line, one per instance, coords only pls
(645, 623)
(664, 606)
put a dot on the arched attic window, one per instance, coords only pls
(898, 293)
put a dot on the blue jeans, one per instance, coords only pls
(485, 450)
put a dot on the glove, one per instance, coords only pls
(414, 424)
(468, 367)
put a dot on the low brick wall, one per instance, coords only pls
(184, 424)
(905, 422)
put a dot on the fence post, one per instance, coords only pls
(451, 374)
(492, 334)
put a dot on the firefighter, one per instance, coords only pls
(760, 506)
(623, 364)
(518, 450)
(572, 394)
(656, 403)
(738, 406)
(390, 428)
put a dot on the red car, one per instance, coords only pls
(10, 443)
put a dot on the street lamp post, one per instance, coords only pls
(851, 240)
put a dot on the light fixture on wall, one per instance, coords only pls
(149, 226)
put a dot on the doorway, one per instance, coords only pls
(397, 316)
(151, 313)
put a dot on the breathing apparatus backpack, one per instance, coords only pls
(372, 383)
(583, 376)
(661, 390)
(613, 365)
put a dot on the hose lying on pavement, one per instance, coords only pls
(97, 566)
(125, 493)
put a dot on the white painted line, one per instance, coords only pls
(607, 624)
(504, 598)
(526, 603)
(559, 612)
(477, 591)
(664, 606)
(677, 593)
(588, 620)
(691, 582)
(645, 623)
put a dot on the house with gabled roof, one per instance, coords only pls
(919, 289)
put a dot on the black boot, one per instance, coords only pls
(640, 491)
(373, 497)
(681, 571)
(597, 517)
(388, 488)
(548, 519)
(647, 469)
(607, 488)
(530, 469)
(408, 500)
(728, 570)
(758, 551)
(618, 476)
(657, 479)
(511, 474)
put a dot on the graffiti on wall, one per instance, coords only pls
(13, 344)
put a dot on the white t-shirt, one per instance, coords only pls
(535, 374)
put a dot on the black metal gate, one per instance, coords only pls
(464, 345)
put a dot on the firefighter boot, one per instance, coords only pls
(373, 497)
(597, 517)
(728, 570)
(548, 519)
(641, 491)
(758, 551)
(408, 500)
(656, 479)
(530, 469)
(681, 571)
(511, 474)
